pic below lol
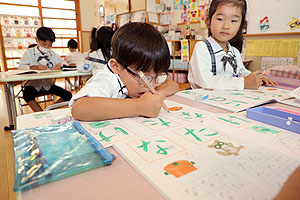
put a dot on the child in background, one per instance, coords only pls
(73, 58)
(216, 62)
(41, 57)
(100, 50)
(135, 47)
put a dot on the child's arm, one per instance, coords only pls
(101, 108)
(291, 188)
(253, 81)
(168, 87)
(27, 62)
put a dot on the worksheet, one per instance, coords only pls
(44, 118)
(291, 102)
(110, 131)
(235, 101)
(197, 162)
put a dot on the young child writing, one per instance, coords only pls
(73, 58)
(100, 50)
(136, 47)
(41, 57)
(216, 62)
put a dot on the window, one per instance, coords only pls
(59, 15)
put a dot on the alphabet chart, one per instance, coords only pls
(110, 131)
(235, 101)
(219, 166)
(257, 132)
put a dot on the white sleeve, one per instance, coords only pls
(200, 72)
(99, 85)
(68, 59)
(242, 71)
(25, 61)
(57, 59)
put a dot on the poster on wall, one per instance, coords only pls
(264, 24)
(294, 24)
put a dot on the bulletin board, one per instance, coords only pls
(277, 14)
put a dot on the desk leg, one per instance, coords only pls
(13, 101)
(8, 104)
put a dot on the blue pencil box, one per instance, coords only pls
(275, 117)
(46, 154)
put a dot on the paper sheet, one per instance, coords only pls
(236, 101)
(153, 18)
(196, 161)
(189, 153)
(44, 118)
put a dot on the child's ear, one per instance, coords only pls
(115, 66)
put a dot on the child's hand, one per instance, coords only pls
(268, 82)
(56, 67)
(150, 104)
(38, 67)
(253, 81)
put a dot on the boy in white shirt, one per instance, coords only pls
(41, 57)
(117, 90)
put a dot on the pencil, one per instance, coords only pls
(151, 88)
(261, 70)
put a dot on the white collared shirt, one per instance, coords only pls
(87, 65)
(31, 57)
(74, 57)
(104, 83)
(200, 69)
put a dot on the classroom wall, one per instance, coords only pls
(279, 13)
(89, 18)
(256, 63)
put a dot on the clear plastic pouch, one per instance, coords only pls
(46, 154)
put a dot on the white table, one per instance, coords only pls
(11, 77)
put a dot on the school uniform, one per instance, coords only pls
(74, 57)
(33, 56)
(104, 83)
(95, 62)
(229, 70)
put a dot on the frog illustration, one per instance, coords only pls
(227, 148)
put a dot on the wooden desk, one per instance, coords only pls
(118, 181)
(11, 77)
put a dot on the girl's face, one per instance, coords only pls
(225, 23)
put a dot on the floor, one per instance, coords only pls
(6, 147)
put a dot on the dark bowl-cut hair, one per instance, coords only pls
(141, 46)
(72, 44)
(45, 33)
(237, 40)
